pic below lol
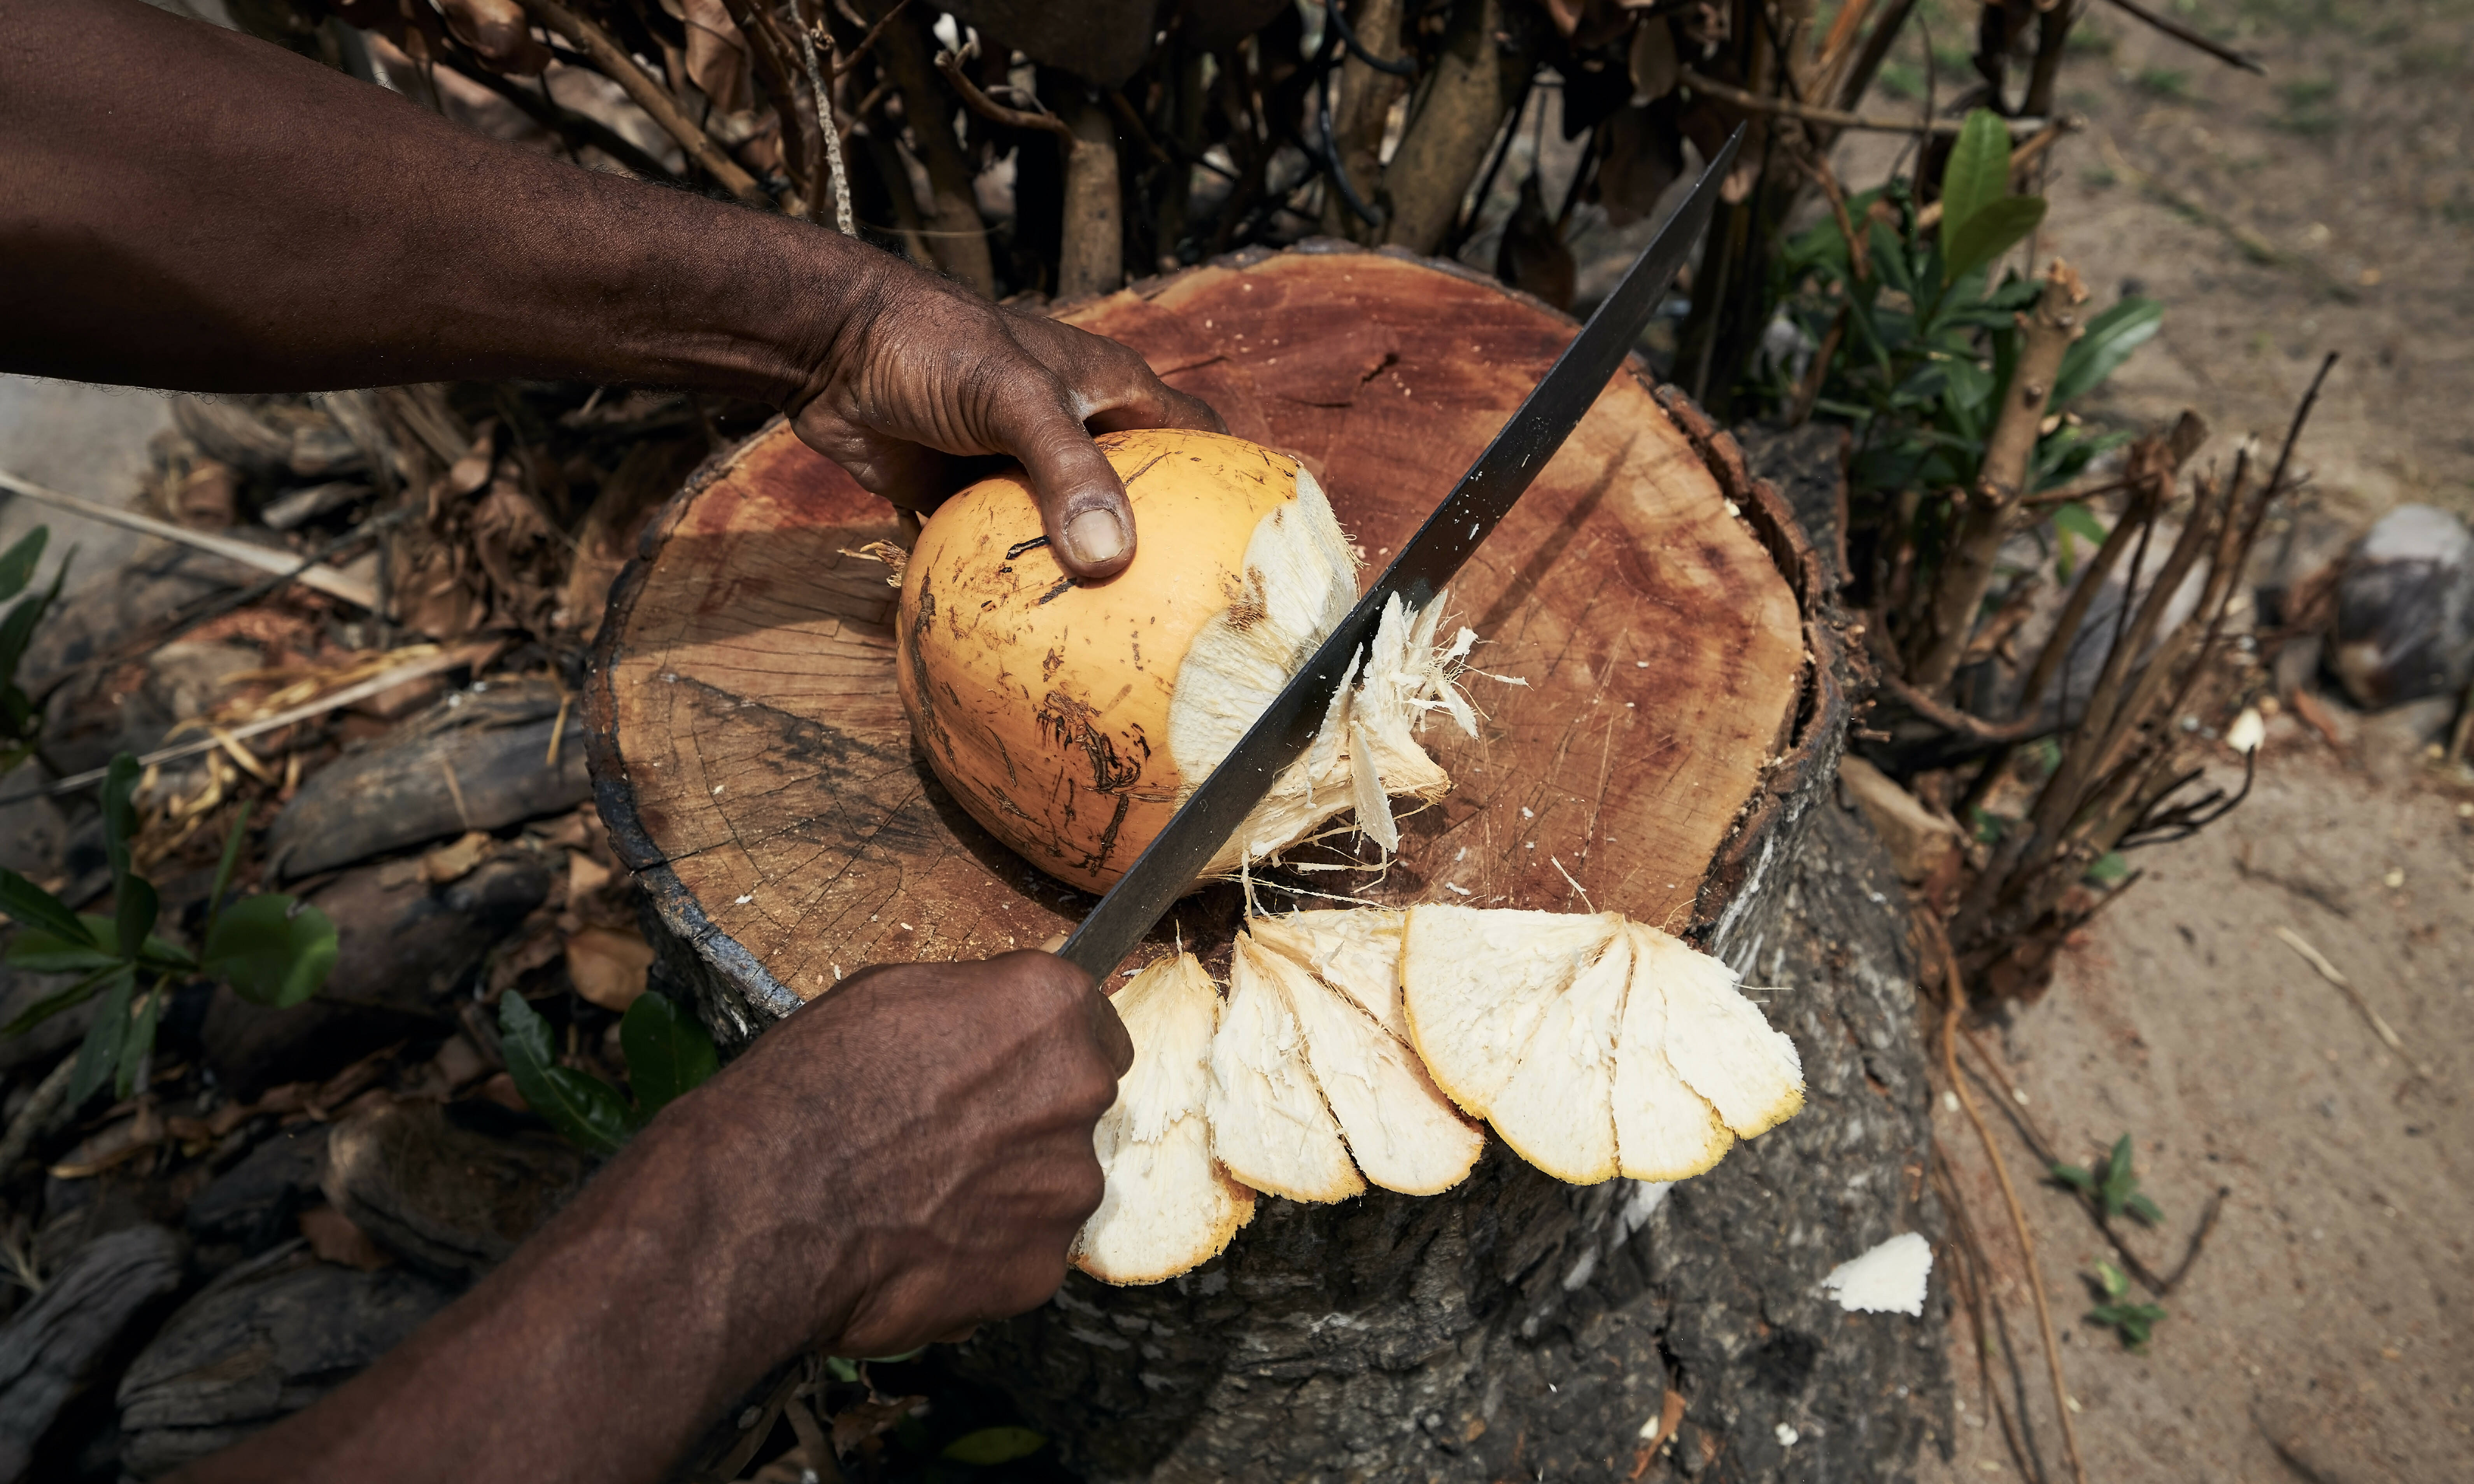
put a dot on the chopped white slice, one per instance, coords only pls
(1717, 1040)
(1404, 1135)
(1558, 1110)
(1887, 1279)
(1168, 1206)
(1665, 1131)
(1356, 952)
(1269, 1125)
(1475, 983)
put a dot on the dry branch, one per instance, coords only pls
(612, 61)
(356, 590)
(957, 237)
(1838, 118)
(1477, 80)
(1953, 995)
(2189, 37)
(2046, 333)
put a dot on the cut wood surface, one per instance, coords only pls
(752, 757)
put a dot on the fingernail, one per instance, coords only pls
(1097, 536)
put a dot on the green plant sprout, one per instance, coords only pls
(20, 721)
(2131, 1322)
(273, 950)
(2113, 1185)
(667, 1052)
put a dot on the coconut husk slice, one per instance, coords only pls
(1356, 951)
(1475, 983)
(1558, 1110)
(1718, 1041)
(1270, 1124)
(1663, 1128)
(1403, 1133)
(1168, 1206)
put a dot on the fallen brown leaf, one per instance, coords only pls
(585, 876)
(455, 861)
(607, 965)
(334, 1238)
(871, 1418)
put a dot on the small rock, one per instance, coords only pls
(2405, 609)
(436, 1191)
(62, 1341)
(261, 1343)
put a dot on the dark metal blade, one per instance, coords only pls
(1167, 867)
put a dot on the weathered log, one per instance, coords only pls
(479, 759)
(66, 1338)
(261, 1343)
(1674, 741)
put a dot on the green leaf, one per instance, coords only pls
(2116, 1283)
(2074, 1176)
(994, 1446)
(100, 1057)
(133, 916)
(2077, 519)
(119, 813)
(271, 950)
(586, 1111)
(139, 1041)
(17, 564)
(224, 867)
(841, 1369)
(667, 1052)
(2143, 1208)
(1993, 230)
(17, 631)
(2108, 869)
(34, 907)
(1976, 175)
(43, 954)
(2110, 337)
(53, 1004)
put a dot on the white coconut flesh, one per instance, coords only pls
(1354, 1047)
(1168, 1205)
(1301, 582)
(1563, 1030)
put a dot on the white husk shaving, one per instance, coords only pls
(1887, 1279)
(1301, 582)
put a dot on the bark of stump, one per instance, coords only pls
(1673, 747)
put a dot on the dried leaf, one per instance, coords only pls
(608, 965)
(716, 55)
(456, 860)
(334, 1238)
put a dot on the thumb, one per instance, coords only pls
(1082, 505)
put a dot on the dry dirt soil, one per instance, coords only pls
(2327, 1329)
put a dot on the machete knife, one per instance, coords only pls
(1167, 868)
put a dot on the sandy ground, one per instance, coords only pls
(2329, 1309)
(2329, 205)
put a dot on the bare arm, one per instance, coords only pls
(906, 1157)
(185, 207)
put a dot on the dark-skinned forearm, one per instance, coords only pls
(185, 207)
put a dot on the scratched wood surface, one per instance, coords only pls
(755, 765)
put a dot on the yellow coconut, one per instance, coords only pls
(1071, 718)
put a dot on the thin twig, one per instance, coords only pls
(825, 125)
(327, 580)
(444, 659)
(612, 61)
(1037, 116)
(2189, 37)
(2199, 1240)
(868, 40)
(1955, 993)
(1982, 1313)
(2379, 1024)
(32, 1118)
(1813, 113)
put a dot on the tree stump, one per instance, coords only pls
(1673, 738)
